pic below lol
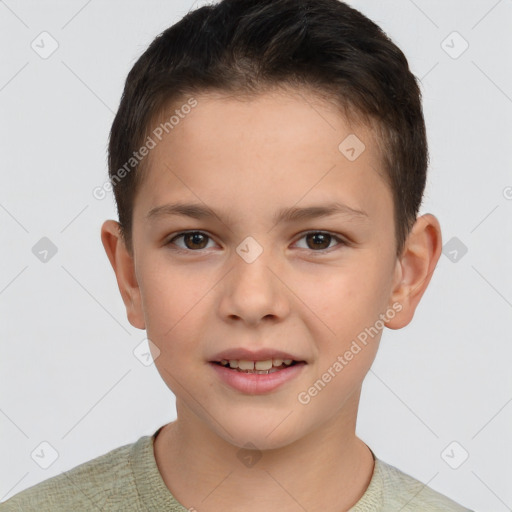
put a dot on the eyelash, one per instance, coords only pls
(340, 241)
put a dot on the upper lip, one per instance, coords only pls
(253, 355)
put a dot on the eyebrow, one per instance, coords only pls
(288, 215)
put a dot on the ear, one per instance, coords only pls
(414, 268)
(123, 264)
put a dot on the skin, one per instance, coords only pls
(246, 160)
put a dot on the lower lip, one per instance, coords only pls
(257, 383)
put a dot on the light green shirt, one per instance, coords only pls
(127, 479)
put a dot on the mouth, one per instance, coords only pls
(260, 377)
(257, 367)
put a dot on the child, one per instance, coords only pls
(249, 133)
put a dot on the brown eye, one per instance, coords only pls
(318, 241)
(193, 240)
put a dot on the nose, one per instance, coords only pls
(254, 291)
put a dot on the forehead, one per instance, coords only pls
(281, 146)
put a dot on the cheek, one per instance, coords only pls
(172, 302)
(179, 304)
(345, 299)
(169, 292)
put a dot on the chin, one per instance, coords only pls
(271, 434)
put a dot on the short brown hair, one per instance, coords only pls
(248, 46)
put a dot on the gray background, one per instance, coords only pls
(68, 374)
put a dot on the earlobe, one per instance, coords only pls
(415, 268)
(123, 264)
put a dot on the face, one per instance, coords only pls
(247, 278)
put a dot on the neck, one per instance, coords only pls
(329, 469)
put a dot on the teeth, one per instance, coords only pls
(263, 365)
(267, 366)
(245, 365)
